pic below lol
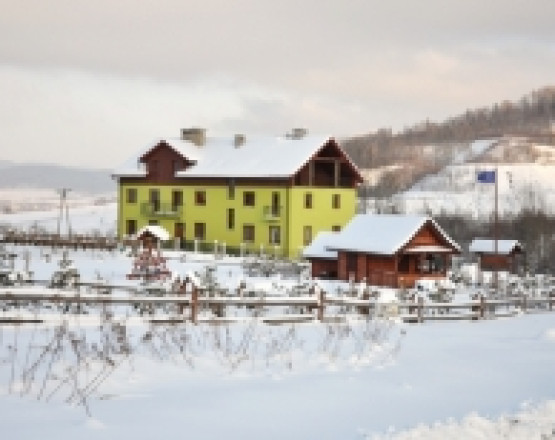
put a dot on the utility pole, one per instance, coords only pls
(63, 203)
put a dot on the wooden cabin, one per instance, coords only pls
(323, 262)
(506, 258)
(384, 250)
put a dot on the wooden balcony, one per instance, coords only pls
(272, 213)
(162, 210)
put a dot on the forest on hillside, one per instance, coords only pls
(532, 116)
(426, 147)
(532, 229)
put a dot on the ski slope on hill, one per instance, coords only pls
(455, 189)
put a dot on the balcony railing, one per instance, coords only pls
(272, 213)
(166, 210)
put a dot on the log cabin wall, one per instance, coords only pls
(497, 262)
(322, 268)
(342, 273)
(362, 268)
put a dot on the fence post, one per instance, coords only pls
(194, 304)
(482, 306)
(182, 292)
(321, 299)
(523, 304)
(420, 309)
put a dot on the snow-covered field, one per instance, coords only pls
(364, 379)
(455, 189)
(85, 216)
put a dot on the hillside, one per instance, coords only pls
(17, 175)
(427, 147)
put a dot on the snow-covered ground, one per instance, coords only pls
(361, 380)
(46, 199)
(85, 217)
(364, 379)
(455, 189)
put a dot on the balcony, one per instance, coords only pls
(164, 210)
(272, 213)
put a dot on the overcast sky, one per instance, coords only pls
(88, 83)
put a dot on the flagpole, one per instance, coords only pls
(495, 229)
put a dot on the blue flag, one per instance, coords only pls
(486, 176)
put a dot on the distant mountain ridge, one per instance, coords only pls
(37, 175)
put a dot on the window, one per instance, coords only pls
(307, 235)
(248, 198)
(153, 222)
(275, 235)
(131, 227)
(336, 228)
(177, 199)
(275, 204)
(179, 230)
(231, 189)
(200, 198)
(154, 197)
(200, 231)
(131, 195)
(248, 233)
(336, 201)
(231, 218)
(308, 200)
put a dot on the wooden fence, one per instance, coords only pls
(74, 241)
(316, 306)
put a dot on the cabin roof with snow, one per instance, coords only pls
(387, 234)
(318, 247)
(257, 157)
(487, 246)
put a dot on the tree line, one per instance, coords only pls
(533, 229)
(532, 115)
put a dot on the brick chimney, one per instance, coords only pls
(195, 135)
(297, 133)
(238, 140)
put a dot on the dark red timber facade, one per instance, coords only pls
(370, 250)
(508, 257)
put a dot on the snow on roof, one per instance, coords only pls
(430, 249)
(157, 231)
(382, 234)
(277, 157)
(319, 246)
(133, 167)
(487, 246)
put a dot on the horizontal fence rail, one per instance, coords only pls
(317, 305)
(75, 241)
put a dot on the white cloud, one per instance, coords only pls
(83, 119)
(87, 83)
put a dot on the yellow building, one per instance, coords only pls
(269, 194)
